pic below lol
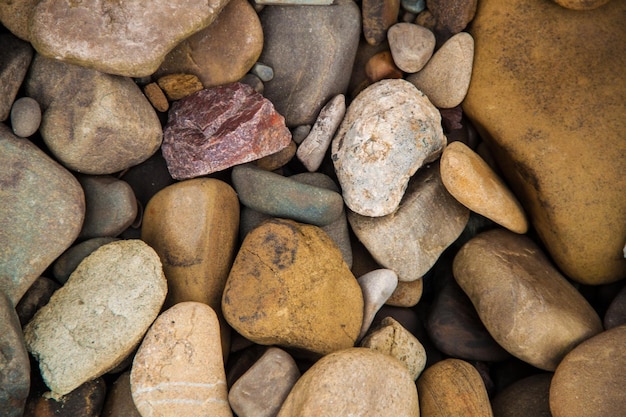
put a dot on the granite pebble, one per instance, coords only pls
(25, 117)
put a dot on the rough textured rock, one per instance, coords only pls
(14, 61)
(71, 258)
(119, 401)
(361, 380)
(411, 46)
(126, 38)
(99, 316)
(378, 16)
(543, 318)
(453, 15)
(289, 286)
(178, 369)
(527, 397)
(220, 127)
(86, 400)
(178, 86)
(538, 115)
(42, 207)
(25, 117)
(389, 131)
(15, 16)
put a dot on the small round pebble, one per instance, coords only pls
(413, 6)
(411, 46)
(264, 72)
(25, 117)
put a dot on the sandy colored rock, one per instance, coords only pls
(538, 115)
(581, 4)
(177, 86)
(15, 16)
(99, 316)
(406, 294)
(71, 258)
(25, 117)
(527, 397)
(411, 46)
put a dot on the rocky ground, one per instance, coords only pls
(312, 208)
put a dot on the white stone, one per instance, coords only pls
(377, 286)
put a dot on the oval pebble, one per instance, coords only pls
(25, 117)
(411, 46)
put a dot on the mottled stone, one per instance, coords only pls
(616, 312)
(119, 401)
(453, 15)
(378, 16)
(376, 286)
(86, 400)
(581, 4)
(406, 294)
(177, 86)
(411, 46)
(156, 97)
(125, 38)
(390, 130)
(71, 258)
(543, 318)
(15, 16)
(381, 67)
(289, 286)
(527, 397)
(220, 127)
(25, 117)
(178, 369)
(14, 61)
(360, 381)
(36, 297)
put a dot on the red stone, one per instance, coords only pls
(220, 127)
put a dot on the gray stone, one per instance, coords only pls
(25, 117)
(71, 258)
(377, 286)
(14, 61)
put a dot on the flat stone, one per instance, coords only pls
(453, 15)
(42, 208)
(527, 397)
(376, 286)
(378, 16)
(406, 294)
(14, 61)
(119, 401)
(36, 297)
(411, 46)
(538, 115)
(390, 130)
(25, 117)
(177, 86)
(361, 380)
(178, 369)
(86, 400)
(475, 185)
(544, 318)
(124, 38)
(220, 127)
(99, 316)
(289, 286)
(71, 258)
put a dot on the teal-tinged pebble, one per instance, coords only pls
(264, 72)
(414, 6)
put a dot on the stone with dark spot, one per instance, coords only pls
(453, 15)
(86, 401)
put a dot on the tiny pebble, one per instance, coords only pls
(177, 86)
(156, 96)
(413, 6)
(25, 116)
(254, 82)
(300, 133)
(264, 72)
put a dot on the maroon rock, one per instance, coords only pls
(219, 127)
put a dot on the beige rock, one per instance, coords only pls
(411, 46)
(406, 294)
(15, 16)
(178, 369)
(475, 185)
(177, 86)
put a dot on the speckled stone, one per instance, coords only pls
(14, 61)
(15, 16)
(156, 96)
(378, 16)
(177, 86)
(25, 117)
(411, 46)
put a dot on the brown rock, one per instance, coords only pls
(156, 96)
(453, 15)
(119, 401)
(277, 160)
(177, 86)
(616, 312)
(406, 294)
(85, 401)
(14, 61)
(378, 16)
(36, 297)
(15, 16)
(527, 397)
(581, 4)
(381, 66)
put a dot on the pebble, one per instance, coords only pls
(177, 86)
(42, 208)
(358, 79)
(446, 77)
(406, 294)
(119, 401)
(361, 380)
(544, 318)
(376, 286)
(527, 397)
(475, 185)
(25, 117)
(99, 316)
(378, 16)
(581, 4)
(208, 132)
(289, 286)
(300, 133)
(14, 62)
(277, 160)
(264, 72)
(178, 369)
(410, 240)
(453, 15)
(411, 46)
(156, 96)
(413, 6)
(86, 400)
(36, 297)
(280, 196)
(122, 38)
(381, 67)
(390, 130)
(616, 312)
(313, 148)
(263, 388)
(72, 257)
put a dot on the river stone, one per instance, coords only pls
(453, 15)
(119, 401)
(85, 401)
(71, 258)
(127, 38)
(452, 387)
(538, 115)
(289, 286)
(543, 318)
(410, 241)
(376, 286)
(93, 123)
(25, 117)
(527, 397)
(36, 297)
(406, 294)
(15, 16)
(99, 316)
(411, 46)
(221, 53)
(14, 61)
(378, 16)
(42, 207)
(358, 382)
(178, 369)
(390, 130)
(318, 41)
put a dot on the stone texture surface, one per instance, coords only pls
(99, 316)
(15, 16)
(390, 130)
(378, 16)
(376, 286)
(453, 15)
(220, 127)
(178, 369)
(25, 117)
(71, 258)
(14, 61)
(156, 96)
(527, 397)
(406, 294)
(119, 401)
(86, 400)
(177, 86)
(581, 4)
(36, 297)
(411, 46)
(538, 114)
(289, 286)
(361, 380)
(543, 317)
(125, 38)
(42, 207)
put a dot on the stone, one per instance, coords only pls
(125, 38)
(148, 178)
(318, 41)
(616, 312)
(119, 401)
(178, 369)
(42, 208)
(406, 294)
(359, 79)
(390, 130)
(361, 380)
(313, 148)
(71, 258)
(223, 52)
(452, 387)
(263, 388)
(277, 160)
(413, 6)
(376, 286)
(527, 397)
(410, 240)
(453, 15)
(543, 317)
(446, 77)
(280, 196)
(294, 2)
(177, 86)
(381, 67)
(93, 123)
(264, 72)
(14, 61)
(300, 133)
(538, 114)
(15, 16)
(25, 117)
(220, 127)
(475, 185)
(156, 97)
(581, 4)
(378, 16)
(589, 380)
(392, 339)
(289, 286)
(411, 46)
(15, 365)
(99, 316)
(36, 297)
(86, 400)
